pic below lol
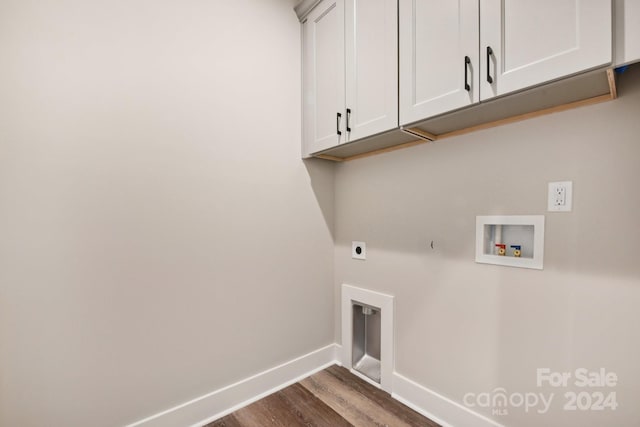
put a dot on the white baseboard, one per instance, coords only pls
(214, 405)
(436, 407)
(217, 404)
(339, 354)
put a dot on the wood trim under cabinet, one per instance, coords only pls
(332, 158)
(427, 137)
(419, 133)
(526, 116)
(611, 76)
(386, 150)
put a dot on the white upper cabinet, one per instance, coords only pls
(350, 71)
(438, 57)
(371, 65)
(627, 31)
(457, 53)
(323, 77)
(525, 43)
(371, 33)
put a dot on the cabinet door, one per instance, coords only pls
(323, 80)
(533, 42)
(627, 31)
(436, 37)
(371, 33)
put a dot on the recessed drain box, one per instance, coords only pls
(365, 349)
(367, 335)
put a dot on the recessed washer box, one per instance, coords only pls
(510, 240)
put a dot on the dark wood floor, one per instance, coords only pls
(331, 398)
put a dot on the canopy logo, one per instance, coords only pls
(585, 399)
(500, 401)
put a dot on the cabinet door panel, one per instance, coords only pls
(533, 42)
(435, 38)
(324, 91)
(627, 31)
(371, 66)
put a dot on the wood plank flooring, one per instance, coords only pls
(331, 398)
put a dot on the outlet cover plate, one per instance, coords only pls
(359, 250)
(560, 197)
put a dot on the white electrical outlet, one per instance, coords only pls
(359, 250)
(560, 196)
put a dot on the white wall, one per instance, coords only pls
(159, 236)
(464, 327)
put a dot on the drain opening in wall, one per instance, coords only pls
(366, 340)
(367, 335)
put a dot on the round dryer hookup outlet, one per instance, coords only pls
(359, 250)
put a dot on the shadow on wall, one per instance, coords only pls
(401, 201)
(322, 176)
